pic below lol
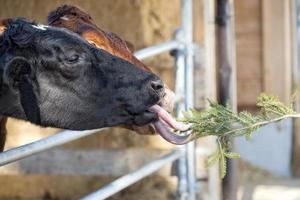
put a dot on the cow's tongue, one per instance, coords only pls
(165, 131)
(166, 117)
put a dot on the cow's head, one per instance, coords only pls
(79, 21)
(52, 77)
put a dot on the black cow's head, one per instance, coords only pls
(52, 77)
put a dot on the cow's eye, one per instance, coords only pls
(73, 59)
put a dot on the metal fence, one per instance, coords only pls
(185, 155)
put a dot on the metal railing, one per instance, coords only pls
(26, 150)
(133, 177)
(183, 43)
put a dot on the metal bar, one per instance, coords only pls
(157, 49)
(179, 90)
(63, 137)
(187, 28)
(133, 177)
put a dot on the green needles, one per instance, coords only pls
(221, 121)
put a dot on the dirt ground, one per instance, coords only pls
(272, 189)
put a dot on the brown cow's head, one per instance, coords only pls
(78, 21)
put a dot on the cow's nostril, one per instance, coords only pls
(157, 85)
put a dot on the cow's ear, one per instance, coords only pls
(130, 46)
(3, 24)
(18, 69)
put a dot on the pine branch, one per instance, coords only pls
(222, 122)
(259, 124)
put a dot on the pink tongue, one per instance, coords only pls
(165, 120)
(171, 137)
(166, 117)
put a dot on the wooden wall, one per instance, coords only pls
(263, 50)
(265, 56)
(248, 51)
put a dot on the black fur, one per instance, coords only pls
(55, 78)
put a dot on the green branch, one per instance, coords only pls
(222, 122)
(259, 124)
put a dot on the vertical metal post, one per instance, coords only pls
(187, 29)
(180, 91)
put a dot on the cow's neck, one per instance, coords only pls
(10, 106)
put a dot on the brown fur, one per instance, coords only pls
(80, 22)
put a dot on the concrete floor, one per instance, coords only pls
(258, 184)
(271, 189)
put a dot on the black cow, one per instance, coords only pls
(52, 77)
